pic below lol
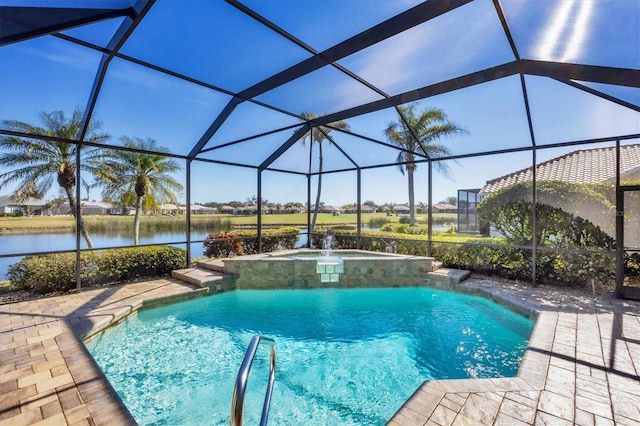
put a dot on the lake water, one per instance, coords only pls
(28, 243)
(25, 243)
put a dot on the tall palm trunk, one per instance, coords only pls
(136, 220)
(72, 205)
(412, 210)
(317, 206)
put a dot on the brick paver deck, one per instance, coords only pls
(581, 367)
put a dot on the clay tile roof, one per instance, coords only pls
(581, 166)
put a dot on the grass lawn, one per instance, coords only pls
(6, 286)
(67, 223)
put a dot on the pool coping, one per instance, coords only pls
(47, 375)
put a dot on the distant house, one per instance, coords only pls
(86, 207)
(248, 210)
(28, 206)
(401, 209)
(329, 209)
(198, 209)
(168, 209)
(251, 210)
(365, 208)
(226, 209)
(115, 211)
(291, 210)
(444, 208)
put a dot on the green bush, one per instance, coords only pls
(223, 244)
(632, 265)
(405, 228)
(497, 260)
(272, 239)
(14, 214)
(491, 256)
(226, 244)
(568, 215)
(56, 272)
(378, 222)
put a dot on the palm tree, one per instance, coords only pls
(319, 135)
(140, 178)
(418, 133)
(34, 162)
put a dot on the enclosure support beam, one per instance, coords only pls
(115, 44)
(259, 202)
(417, 15)
(213, 128)
(429, 210)
(359, 208)
(534, 219)
(617, 293)
(297, 135)
(78, 212)
(308, 211)
(534, 199)
(18, 22)
(188, 212)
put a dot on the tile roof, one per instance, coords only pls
(445, 206)
(581, 166)
(7, 200)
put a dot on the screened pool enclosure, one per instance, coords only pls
(239, 93)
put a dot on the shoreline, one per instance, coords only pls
(37, 230)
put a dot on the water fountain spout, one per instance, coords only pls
(327, 245)
(329, 266)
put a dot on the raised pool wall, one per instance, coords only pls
(283, 270)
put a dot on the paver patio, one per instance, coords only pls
(581, 367)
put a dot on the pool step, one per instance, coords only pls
(435, 265)
(203, 278)
(212, 265)
(446, 278)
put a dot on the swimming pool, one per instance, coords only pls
(344, 356)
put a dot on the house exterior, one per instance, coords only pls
(329, 209)
(87, 208)
(365, 208)
(401, 209)
(168, 209)
(580, 166)
(198, 209)
(444, 208)
(115, 211)
(587, 166)
(291, 210)
(28, 206)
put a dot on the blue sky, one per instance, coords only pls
(215, 43)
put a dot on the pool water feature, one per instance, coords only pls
(298, 269)
(328, 265)
(344, 356)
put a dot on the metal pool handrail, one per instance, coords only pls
(237, 403)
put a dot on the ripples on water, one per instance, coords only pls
(343, 356)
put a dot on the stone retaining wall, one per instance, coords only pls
(278, 272)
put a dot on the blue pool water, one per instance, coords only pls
(344, 356)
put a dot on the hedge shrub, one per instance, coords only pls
(222, 244)
(404, 228)
(491, 256)
(226, 244)
(56, 272)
